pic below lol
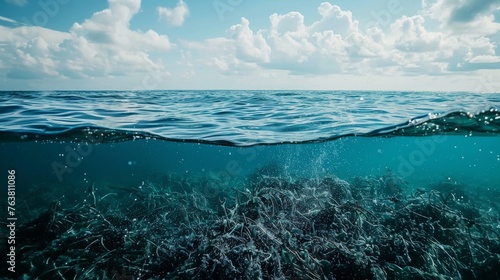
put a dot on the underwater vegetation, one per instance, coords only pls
(268, 227)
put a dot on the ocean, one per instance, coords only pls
(250, 185)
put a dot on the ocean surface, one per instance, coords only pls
(251, 184)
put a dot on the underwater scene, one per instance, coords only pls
(250, 185)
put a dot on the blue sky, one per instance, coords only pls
(441, 45)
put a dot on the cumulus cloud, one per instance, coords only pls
(110, 27)
(334, 18)
(101, 45)
(20, 3)
(252, 47)
(413, 37)
(174, 16)
(30, 51)
(336, 44)
(330, 45)
(105, 45)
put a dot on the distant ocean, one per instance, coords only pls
(250, 184)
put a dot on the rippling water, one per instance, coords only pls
(253, 184)
(239, 117)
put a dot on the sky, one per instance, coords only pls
(426, 45)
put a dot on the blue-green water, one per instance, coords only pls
(231, 160)
(474, 160)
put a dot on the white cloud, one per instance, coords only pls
(331, 45)
(424, 3)
(484, 59)
(413, 37)
(110, 27)
(466, 16)
(289, 39)
(335, 44)
(30, 56)
(219, 54)
(174, 16)
(291, 46)
(335, 19)
(252, 47)
(467, 11)
(20, 3)
(8, 20)
(102, 45)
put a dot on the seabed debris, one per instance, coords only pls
(269, 227)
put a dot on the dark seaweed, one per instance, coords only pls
(270, 227)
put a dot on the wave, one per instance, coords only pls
(482, 123)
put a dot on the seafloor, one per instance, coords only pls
(269, 226)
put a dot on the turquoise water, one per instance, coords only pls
(253, 185)
(416, 159)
